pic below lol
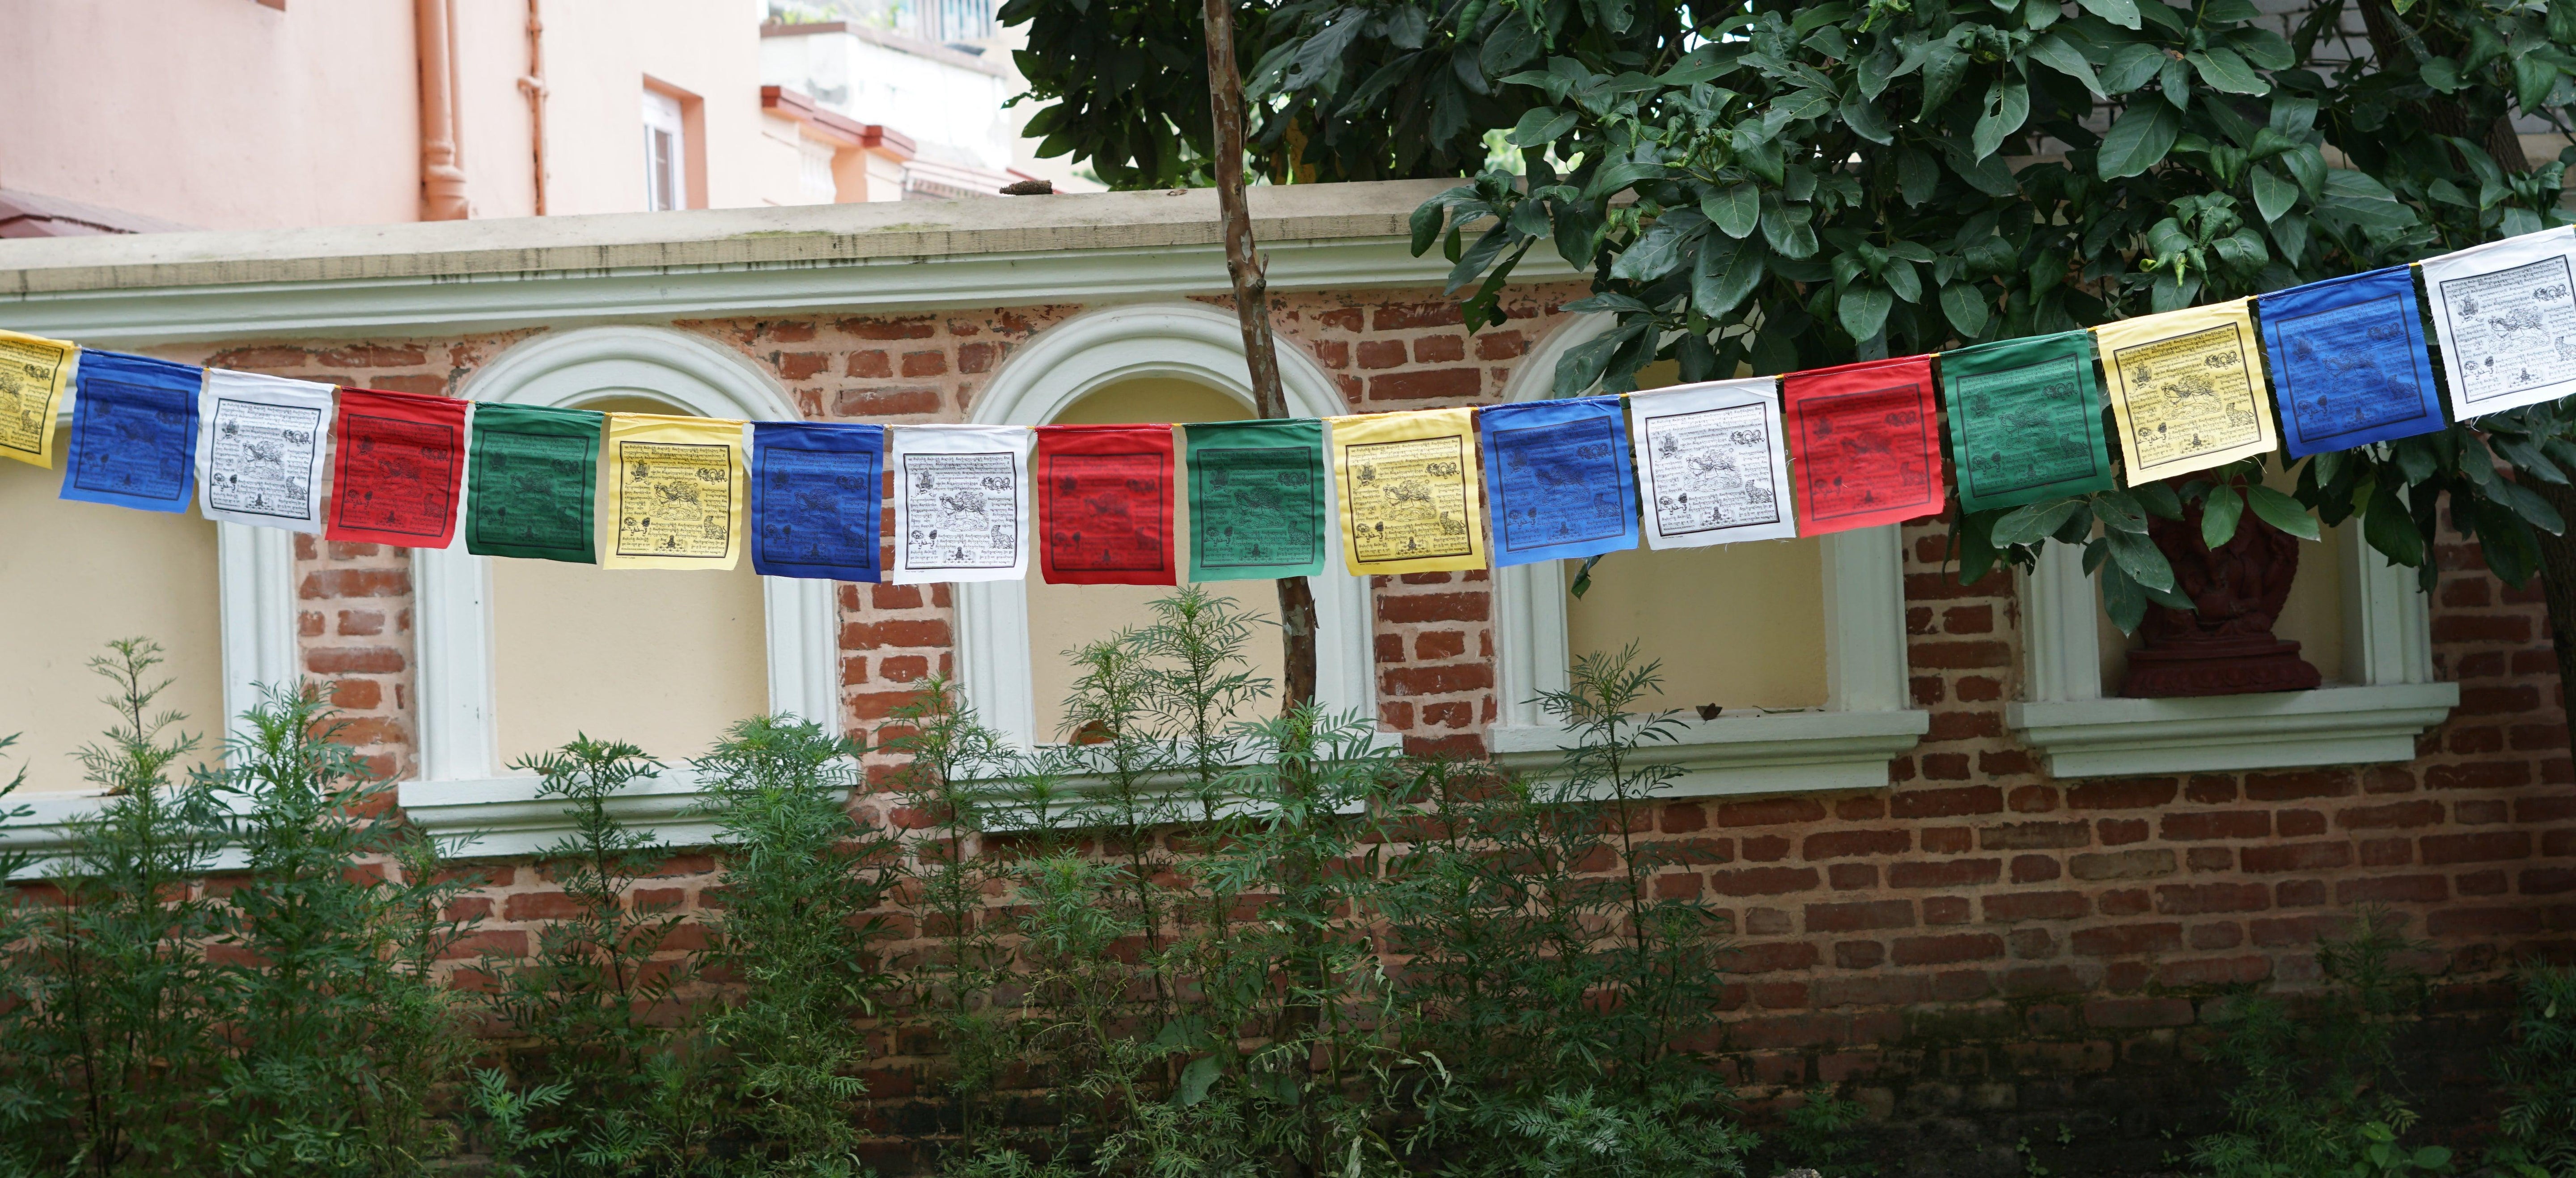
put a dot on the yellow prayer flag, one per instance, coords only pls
(673, 488)
(33, 372)
(1409, 487)
(2187, 389)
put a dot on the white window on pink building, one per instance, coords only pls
(666, 153)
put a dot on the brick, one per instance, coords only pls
(895, 632)
(2299, 893)
(2548, 881)
(2449, 922)
(1946, 950)
(2393, 889)
(1859, 954)
(1848, 877)
(978, 356)
(2453, 627)
(2393, 815)
(355, 583)
(1435, 607)
(2210, 789)
(1946, 803)
(2478, 811)
(540, 906)
(1381, 353)
(1952, 724)
(2209, 858)
(1500, 345)
(1946, 910)
(1771, 957)
(2476, 848)
(1769, 848)
(1835, 844)
(909, 327)
(2034, 906)
(1442, 680)
(2035, 869)
(1440, 644)
(1859, 915)
(1876, 990)
(2120, 831)
(884, 402)
(2212, 972)
(1962, 655)
(2290, 787)
(361, 623)
(2127, 940)
(1980, 688)
(2295, 857)
(2193, 899)
(353, 660)
(2219, 824)
(1435, 384)
(1438, 349)
(1948, 840)
(2478, 775)
(2127, 793)
(1682, 818)
(2480, 883)
(1770, 812)
(1763, 881)
(1936, 767)
(2022, 836)
(2100, 865)
(1400, 316)
(356, 694)
(1944, 873)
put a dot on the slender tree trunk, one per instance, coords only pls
(1252, 306)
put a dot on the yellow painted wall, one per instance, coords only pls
(1738, 625)
(1063, 617)
(75, 575)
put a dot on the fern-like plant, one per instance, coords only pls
(2536, 1133)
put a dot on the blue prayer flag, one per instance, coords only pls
(2348, 361)
(134, 432)
(1558, 479)
(815, 497)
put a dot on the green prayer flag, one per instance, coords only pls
(2025, 420)
(531, 478)
(1256, 499)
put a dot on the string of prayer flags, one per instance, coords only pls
(1558, 480)
(2505, 313)
(400, 462)
(33, 372)
(1256, 499)
(532, 477)
(675, 492)
(259, 449)
(2347, 361)
(134, 432)
(2025, 420)
(1105, 505)
(1866, 446)
(1409, 484)
(2186, 389)
(961, 503)
(1710, 460)
(816, 493)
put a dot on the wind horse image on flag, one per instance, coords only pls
(2348, 362)
(532, 477)
(2186, 389)
(1105, 505)
(2025, 420)
(1409, 485)
(401, 459)
(259, 449)
(1864, 441)
(33, 371)
(134, 432)
(1558, 479)
(961, 502)
(675, 492)
(1256, 499)
(816, 491)
(1710, 460)
(2505, 313)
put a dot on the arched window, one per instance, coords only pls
(515, 656)
(1150, 363)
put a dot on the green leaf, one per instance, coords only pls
(2132, 65)
(2007, 107)
(2159, 500)
(2034, 522)
(1728, 270)
(2390, 528)
(1902, 281)
(1737, 209)
(2281, 511)
(2440, 73)
(1967, 307)
(1196, 1079)
(2123, 13)
(1659, 250)
(2138, 141)
(2219, 514)
(1866, 119)
(2122, 599)
(1541, 126)
(1863, 310)
(2140, 558)
(1472, 263)
(2120, 513)
(1942, 67)
(1789, 228)
(2273, 195)
(1431, 216)
(2223, 70)
(2053, 51)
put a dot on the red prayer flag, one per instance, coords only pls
(1863, 438)
(1105, 504)
(398, 460)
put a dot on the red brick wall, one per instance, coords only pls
(1978, 940)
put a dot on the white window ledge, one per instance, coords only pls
(497, 817)
(1781, 752)
(2327, 726)
(46, 831)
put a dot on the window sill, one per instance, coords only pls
(499, 817)
(2328, 726)
(1788, 752)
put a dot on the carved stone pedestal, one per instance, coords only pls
(2226, 646)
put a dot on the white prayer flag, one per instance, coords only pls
(961, 502)
(259, 449)
(2505, 314)
(1710, 463)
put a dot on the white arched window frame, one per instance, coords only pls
(1844, 746)
(1189, 341)
(462, 787)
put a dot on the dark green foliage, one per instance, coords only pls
(2538, 1125)
(107, 1039)
(2317, 1093)
(337, 1032)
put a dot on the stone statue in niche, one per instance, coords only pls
(2226, 646)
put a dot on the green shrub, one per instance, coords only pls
(2536, 1133)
